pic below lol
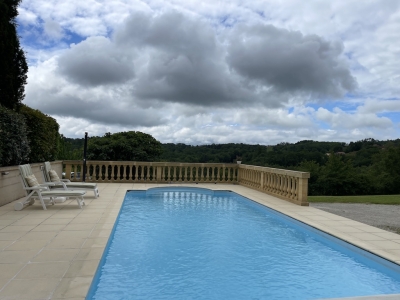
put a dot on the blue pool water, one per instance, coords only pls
(199, 244)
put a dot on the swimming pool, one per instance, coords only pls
(200, 244)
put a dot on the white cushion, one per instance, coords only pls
(53, 176)
(31, 180)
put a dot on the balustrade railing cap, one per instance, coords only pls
(276, 171)
(104, 162)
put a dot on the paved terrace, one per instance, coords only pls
(54, 254)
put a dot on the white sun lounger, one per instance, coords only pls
(66, 184)
(42, 192)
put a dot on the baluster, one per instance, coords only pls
(136, 173)
(273, 182)
(129, 173)
(293, 188)
(140, 173)
(287, 187)
(121, 173)
(269, 182)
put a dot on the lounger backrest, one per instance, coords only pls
(46, 170)
(25, 170)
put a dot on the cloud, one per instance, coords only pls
(381, 106)
(53, 29)
(181, 60)
(213, 72)
(289, 61)
(54, 95)
(190, 62)
(341, 119)
(96, 61)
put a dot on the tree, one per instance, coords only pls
(13, 66)
(124, 146)
(338, 178)
(68, 150)
(391, 164)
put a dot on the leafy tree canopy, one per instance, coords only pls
(13, 66)
(124, 146)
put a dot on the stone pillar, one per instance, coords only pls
(303, 192)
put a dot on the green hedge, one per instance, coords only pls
(14, 144)
(27, 136)
(43, 134)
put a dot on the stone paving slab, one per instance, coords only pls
(54, 254)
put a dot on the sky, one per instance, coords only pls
(203, 72)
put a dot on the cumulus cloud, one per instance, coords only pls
(53, 29)
(96, 61)
(54, 95)
(190, 62)
(289, 61)
(184, 71)
(375, 106)
(339, 118)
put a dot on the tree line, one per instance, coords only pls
(363, 167)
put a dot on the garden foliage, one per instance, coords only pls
(14, 145)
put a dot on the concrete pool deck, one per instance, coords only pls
(54, 254)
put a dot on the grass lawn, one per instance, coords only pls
(375, 199)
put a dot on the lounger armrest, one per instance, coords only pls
(65, 180)
(60, 183)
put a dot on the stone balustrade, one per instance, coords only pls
(151, 172)
(285, 184)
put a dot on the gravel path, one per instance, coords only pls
(386, 217)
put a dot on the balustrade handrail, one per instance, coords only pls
(285, 184)
(277, 171)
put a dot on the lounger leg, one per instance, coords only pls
(96, 193)
(80, 201)
(42, 201)
(27, 201)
